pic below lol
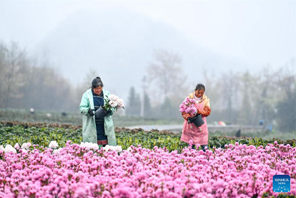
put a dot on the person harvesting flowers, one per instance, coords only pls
(196, 106)
(97, 107)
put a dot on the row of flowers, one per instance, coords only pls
(88, 171)
(54, 145)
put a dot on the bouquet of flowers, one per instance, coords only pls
(110, 103)
(113, 101)
(188, 106)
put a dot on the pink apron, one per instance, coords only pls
(198, 135)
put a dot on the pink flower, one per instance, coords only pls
(188, 106)
(237, 171)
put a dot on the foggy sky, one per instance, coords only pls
(253, 32)
(257, 30)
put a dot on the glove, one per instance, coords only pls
(109, 113)
(91, 112)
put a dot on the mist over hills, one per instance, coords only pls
(119, 45)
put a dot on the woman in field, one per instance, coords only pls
(95, 128)
(191, 133)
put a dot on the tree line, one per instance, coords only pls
(236, 97)
(25, 83)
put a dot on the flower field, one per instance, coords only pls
(75, 169)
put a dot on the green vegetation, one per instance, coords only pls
(75, 118)
(42, 134)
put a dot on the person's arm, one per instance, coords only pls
(206, 111)
(84, 105)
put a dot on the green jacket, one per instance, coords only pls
(89, 131)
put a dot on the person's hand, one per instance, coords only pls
(109, 113)
(186, 116)
(91, 112)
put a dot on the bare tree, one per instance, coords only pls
(286, 78)
(167, 76)
(266, 101)
(13, 67)
(223, 92)
(25, 84)
(3, 70)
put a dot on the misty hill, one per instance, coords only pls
(119, 45)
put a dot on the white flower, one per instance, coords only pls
(17, 146)
(129, 149)
(26, 145)
(113, 97)
(118, 148)
(113, 104)
(9, 148)
(24, 150)
(112, 148)
(89, 145)
(120, 103)
(106, 148)
(2, 148)
(53, 145)
(57, 151)
(115, 101)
